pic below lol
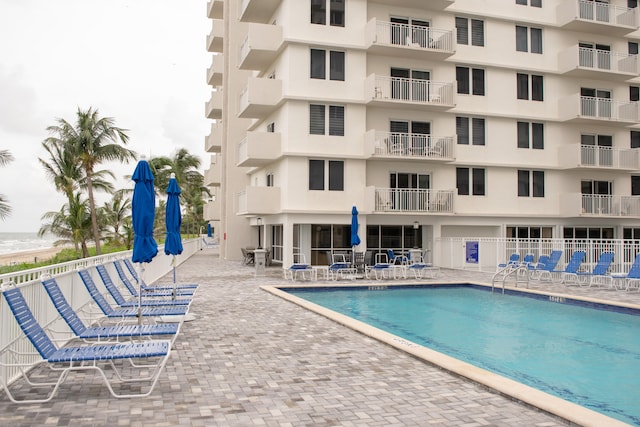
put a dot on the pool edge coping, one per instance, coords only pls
(546, 402)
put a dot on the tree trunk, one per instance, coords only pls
(94, 216)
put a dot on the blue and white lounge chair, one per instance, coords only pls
(544, 268)
(572, 266)
(513, 261)
(150, 291)
(65, 360)
(597, 276)
(101, 333)
(340, 268)
(298, 268)
(105, 307)
(631, 279)
(146, 302)
(381, 268)
(134, 274)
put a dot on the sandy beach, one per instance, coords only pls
(28, 256)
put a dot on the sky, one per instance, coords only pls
(142, 63)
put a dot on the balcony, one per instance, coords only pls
(599, 205)
(215, 38)
(213, 141)
(212, 176)
(597, 17)
(420, 4)
(408, 41)
(577, 156)
(395, 200)
(259, 201)
(587, 109)
(597, 64)
(261, 46)
(260, 97)
(258, 10)
(215, 71)
(213, 107)
(213, 210)
(410, 146)
(401, 92)
(215, 9)
(259, 149)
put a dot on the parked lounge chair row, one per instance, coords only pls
(125, 345)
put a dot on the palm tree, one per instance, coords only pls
(185, 166)
(5, 209)
(92, 141)
(72, 224)
(116, 211)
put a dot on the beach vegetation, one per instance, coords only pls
(5, 208)
(87, 143)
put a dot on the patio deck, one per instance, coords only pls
(252, 359)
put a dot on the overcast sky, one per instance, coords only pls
(141, 62)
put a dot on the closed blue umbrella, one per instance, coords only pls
(355, 239)
(143, 212)
(209, 231)
(173, 221)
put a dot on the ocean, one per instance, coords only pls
(18, 242)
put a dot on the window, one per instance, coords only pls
(319, 65)
(532, 3)
(470, 128)
(470, 80)
(477, 31)
(635, 139)
(319, 12)
(635, 185)
(271, 127)
(531, 135)
(634, 93)
(334, 172)
(318, 119)
(633, 48)
(537, 87)
(530, 182)
(522, 39)
(470, 179)
(270, 179)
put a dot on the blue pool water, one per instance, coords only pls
(586, 355)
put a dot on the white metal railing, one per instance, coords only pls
(413, 90)
(453, 252)
(414, 36)
(609, 157)
(414, 145)
(610, 205)
(605, 108)
(243, 99)
(29, 282)
(607, 61)
(242, 151)
(244, 50)
(413, 200)
(607, 13)
(242, 201)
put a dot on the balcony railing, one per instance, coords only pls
(609, 205)
(608, 109)
(414, 145)
(603, 60)
(609, 157)
(606, 13)
(414, 37)
(415, 91)
(413, 200)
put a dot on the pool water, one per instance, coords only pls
(585, 355)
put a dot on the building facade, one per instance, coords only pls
(435, 118)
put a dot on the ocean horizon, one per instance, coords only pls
(24, 241)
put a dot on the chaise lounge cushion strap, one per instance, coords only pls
(111, 352)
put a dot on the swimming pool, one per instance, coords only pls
(582, 352)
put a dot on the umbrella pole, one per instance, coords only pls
(175, 286)
(140, 270)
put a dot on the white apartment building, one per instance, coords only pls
(435, 118)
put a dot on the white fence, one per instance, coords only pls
(484, 254)
(66, 276)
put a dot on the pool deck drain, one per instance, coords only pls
(252, 359)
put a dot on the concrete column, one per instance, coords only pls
(260, 257)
